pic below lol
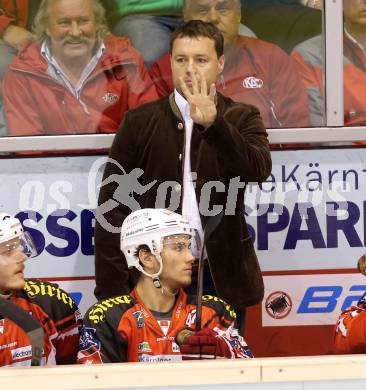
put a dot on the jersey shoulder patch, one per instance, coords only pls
(111, 307)
(45, 293)
(50, 298)
(222, 308)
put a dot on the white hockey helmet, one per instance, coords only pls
(149, 227)
(11, 228)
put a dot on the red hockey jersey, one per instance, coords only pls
(123, 329)
(350, 333)
(59, 317)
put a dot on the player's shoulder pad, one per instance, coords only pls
(109, 308)
(48, 295)
(222, 308)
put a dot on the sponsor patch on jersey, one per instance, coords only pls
(140, 322)
(35, 288)
(175, 347)
(110, 98)
(88, 338)
(159, 358)
(10, 345)
(165, 338)
(252, 82)
(21, 353)
(144, 347)
(191, 318)
(98, 312)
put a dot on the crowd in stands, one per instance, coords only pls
(76, 70)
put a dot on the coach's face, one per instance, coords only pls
(224, 14)
(196, 56)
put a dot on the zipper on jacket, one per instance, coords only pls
(272, 107)
(48, 77)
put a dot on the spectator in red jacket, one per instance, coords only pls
(256, 72)
(310, 61)
(76, 78)
(15, 21)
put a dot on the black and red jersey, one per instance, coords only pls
(59, 317)
(350, 335)
(123, 329)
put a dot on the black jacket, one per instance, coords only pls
(152, 138)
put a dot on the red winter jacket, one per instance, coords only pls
(310, 62)
(13, 12)
(36, 104)
(260, 74)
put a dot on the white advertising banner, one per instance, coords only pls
(309, 299)
(309, 215)
(311, 212)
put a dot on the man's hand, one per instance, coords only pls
(205, 344)
(201, 102)
(17, 36)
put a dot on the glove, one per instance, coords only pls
(205, 344)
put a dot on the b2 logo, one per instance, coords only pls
(324, 299)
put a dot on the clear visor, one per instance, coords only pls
(180, 242)
(27, 245)
(24, 243)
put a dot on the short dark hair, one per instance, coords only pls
(196, 29)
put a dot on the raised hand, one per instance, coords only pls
(201, 102)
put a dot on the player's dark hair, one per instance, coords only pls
(198, 29)
(135, 274)
(143, 247)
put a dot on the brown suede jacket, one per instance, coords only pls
(152, 138)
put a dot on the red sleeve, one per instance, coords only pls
(12, 11)
(161, 76)
(5, 21)
(141, 88)
(350, 333)
(288, 91)
(312, 77)
(20, 107)
(67, 341)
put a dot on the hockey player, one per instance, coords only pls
(52, 307)
(350, 334)
(155, 322)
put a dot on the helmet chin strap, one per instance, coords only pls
(156, 279)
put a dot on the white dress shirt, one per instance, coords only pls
(190, 209)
